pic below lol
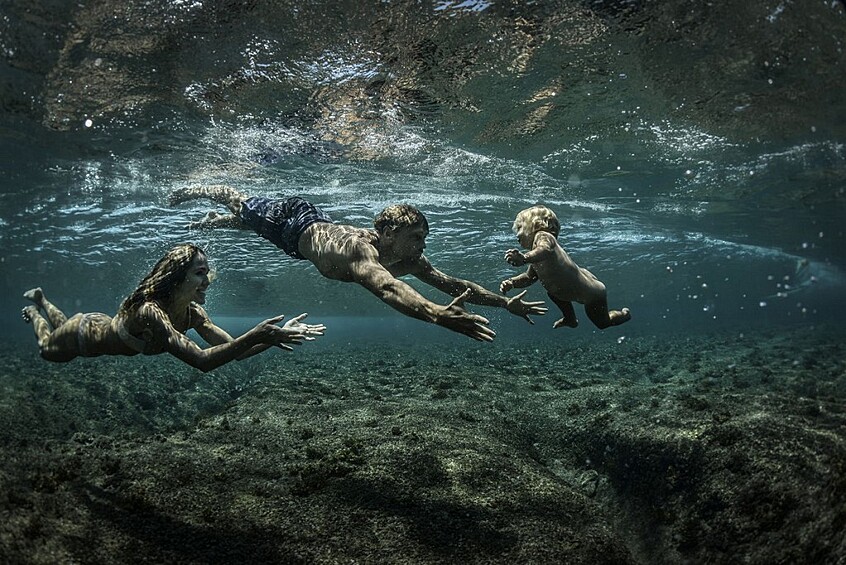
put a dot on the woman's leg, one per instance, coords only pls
(30, 314)
(59, 342)
(56, 316)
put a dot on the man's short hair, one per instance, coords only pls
(537, 218)
(400, 216)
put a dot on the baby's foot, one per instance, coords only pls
(565, 322)
(28, 313)
(620, 316)
(34, 294)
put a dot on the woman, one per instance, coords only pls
(154, 319)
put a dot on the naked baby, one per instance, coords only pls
(565, 282)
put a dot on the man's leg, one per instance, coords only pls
(219, 193)
(214, 220)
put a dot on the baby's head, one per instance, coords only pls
(532, 220)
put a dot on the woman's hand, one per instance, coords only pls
(268, 332)
(295, 324)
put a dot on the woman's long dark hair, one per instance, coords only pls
(165, 276)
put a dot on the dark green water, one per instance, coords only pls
(695, 153)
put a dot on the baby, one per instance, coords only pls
(537, 229)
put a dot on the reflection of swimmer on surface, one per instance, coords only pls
(803, 278)
(154, 319)
(374, 258)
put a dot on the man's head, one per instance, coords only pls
(532, 220)
(400, 216)
(402, 229)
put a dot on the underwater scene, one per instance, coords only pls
(679, 396)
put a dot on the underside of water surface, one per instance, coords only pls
(693, 152)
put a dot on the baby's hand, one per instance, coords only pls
(506, 285)
(515, 258)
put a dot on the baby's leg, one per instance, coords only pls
(56, 316)
(219, 193)
(603, 318)
(568, 314)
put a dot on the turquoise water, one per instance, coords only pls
(701, 174)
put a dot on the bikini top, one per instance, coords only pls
(131, 341)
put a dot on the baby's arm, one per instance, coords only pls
(520, 281)
(543, 248)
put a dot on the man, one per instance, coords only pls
(375, 259)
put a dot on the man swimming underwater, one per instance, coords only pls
(373, 258)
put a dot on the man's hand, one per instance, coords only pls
(457, 319)
(506, 285)
(515, 258)
(520, 308)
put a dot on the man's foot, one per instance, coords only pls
(29, 313)
(181, 195)
(564, 322)
(34, 294)
(207, 222)
(219, 193)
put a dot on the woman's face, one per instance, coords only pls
(193, 288)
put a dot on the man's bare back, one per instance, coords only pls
(333, 248)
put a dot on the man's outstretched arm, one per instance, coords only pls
(478, 294)
(398, 295)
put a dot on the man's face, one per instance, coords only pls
(409, 242)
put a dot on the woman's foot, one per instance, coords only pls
(29, 313)
(34, 294)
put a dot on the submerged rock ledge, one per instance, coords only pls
(699, 449)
